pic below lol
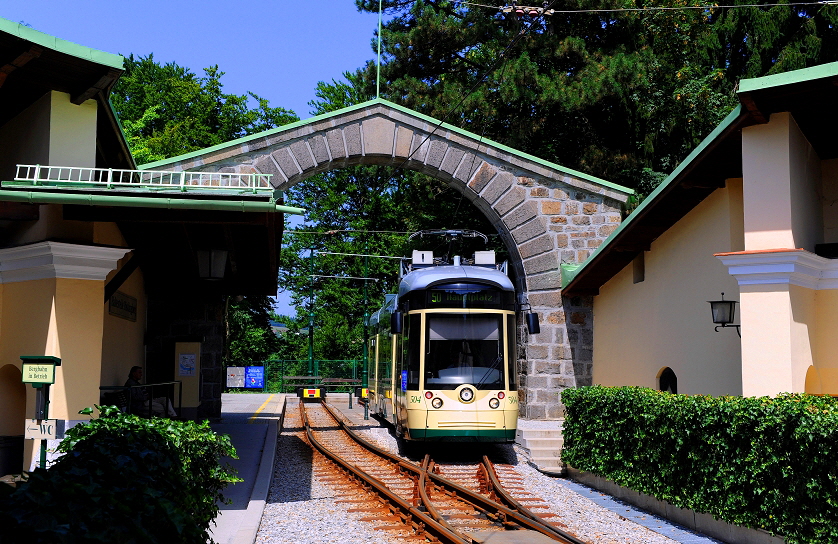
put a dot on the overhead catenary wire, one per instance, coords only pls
(358, 255)
(662, 8)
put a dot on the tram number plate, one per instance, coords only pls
(415, 398)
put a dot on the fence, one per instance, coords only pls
(322, 369)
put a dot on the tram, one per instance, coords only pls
(443, 351)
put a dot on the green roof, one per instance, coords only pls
(569, 273)
(408, 111)
(820, 71)
(62, 46)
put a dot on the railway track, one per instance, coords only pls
(446, 503)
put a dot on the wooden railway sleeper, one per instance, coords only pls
(429, 525)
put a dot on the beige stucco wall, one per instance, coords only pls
(63, 318)
(72, 136)
(123, 341)
(665, 320)
(824, 372)
(829, 183)
(59, 317)
(52, 131)
(782, 203)
(12, 401)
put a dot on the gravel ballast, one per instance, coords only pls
(302, 509)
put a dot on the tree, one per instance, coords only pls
(167, 110)
(620, 95)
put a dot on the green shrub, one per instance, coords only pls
(760, 462)
(123, 479)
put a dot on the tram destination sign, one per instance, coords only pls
(441, 298)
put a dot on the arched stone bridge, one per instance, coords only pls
(545, 214)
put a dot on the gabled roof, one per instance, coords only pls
(33, 63)
(811, 95)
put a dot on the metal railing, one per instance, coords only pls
(329, 372)
(144, 400)
(113, 178)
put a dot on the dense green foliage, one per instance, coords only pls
(167, 110)
(123, 479)
(768, 463)
(609, 93)
(249, 338)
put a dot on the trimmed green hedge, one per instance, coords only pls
(122, 480)
(759, 462)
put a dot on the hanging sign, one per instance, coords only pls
(39, 368)
(122, 305)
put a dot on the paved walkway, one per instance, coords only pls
(252, 421)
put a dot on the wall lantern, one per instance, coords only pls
(723, 313)
(211, 263)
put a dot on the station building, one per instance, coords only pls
(751, 213)
(102, 265)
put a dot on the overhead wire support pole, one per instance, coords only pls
(366, 373)
(311, 312)
(378, 66)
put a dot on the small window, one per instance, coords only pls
(639, 267)
(668, 381)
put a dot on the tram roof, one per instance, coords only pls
(426, 277)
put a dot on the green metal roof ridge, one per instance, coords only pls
(820, 71)
(62, 46)
(403, 109)
(492, 143)
(256, 136)
(568, 275)
(45, 197)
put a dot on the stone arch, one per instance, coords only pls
(546, 214)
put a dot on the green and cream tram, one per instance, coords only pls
(444, 350)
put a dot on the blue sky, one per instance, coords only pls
(278, 49)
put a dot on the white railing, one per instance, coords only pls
(35, 174)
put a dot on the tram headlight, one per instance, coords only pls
(494, 403)
(466, 394)
(437, 403)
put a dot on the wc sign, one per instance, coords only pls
(44, 429)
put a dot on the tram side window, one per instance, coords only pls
(464, 348)
(512, 350)
(413, 351)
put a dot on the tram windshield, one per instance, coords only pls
(464, 348)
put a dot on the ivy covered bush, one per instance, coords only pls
(123, 479)
(759, 462)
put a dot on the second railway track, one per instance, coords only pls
(453, 503)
